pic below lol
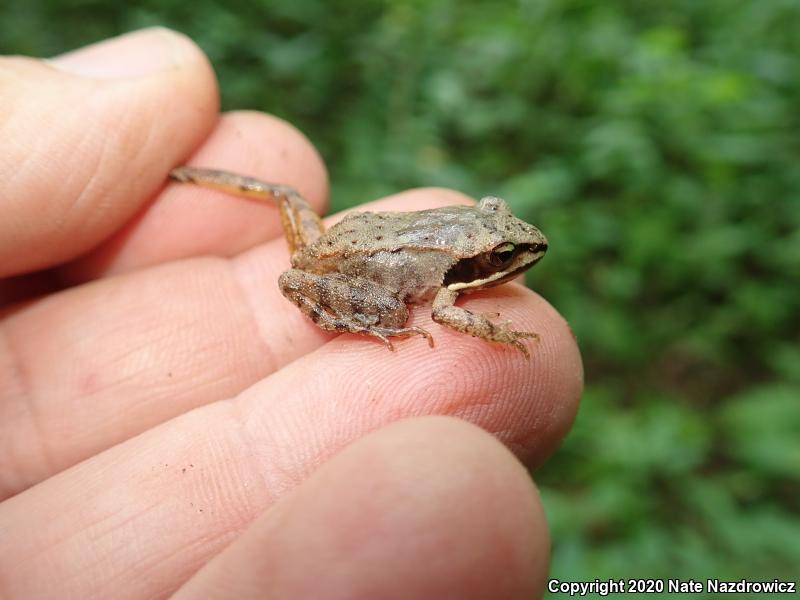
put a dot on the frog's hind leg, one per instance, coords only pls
(301, 224)
(337, 302)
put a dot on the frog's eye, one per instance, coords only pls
(501, 255)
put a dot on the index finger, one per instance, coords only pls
(185, 489)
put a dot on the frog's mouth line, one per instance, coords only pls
(525, 261)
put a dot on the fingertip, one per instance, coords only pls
(90, 151)
(421, 198)
(134, 54)
(424, 508)
(540, 395)
(558, 385)
(529, 404)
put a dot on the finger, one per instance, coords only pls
(89, 367)
(90, 137)
(163, 503)
(425, 508)
(189, 220)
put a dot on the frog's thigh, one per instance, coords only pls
(339, 302)
(475, 325)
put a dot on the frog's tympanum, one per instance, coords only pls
(358, 275)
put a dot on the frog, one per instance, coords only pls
(360, 275)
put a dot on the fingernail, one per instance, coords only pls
(134, 54)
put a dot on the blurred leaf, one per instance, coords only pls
(762, 429)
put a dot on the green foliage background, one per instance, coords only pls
(656, 144)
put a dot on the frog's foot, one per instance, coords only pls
(384, 332)
(477, 325)
(503, 334)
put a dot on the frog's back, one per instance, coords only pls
(452, 229)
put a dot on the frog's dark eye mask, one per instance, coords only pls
(502, 255)
(502, 263)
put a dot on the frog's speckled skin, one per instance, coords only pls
(457, 230)
(359, 275)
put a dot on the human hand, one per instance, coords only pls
(169, 422)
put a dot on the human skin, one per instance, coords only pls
(169, 423)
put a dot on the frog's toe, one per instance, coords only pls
(504, 334)
(386, 341)
(382, 333)
(424, 333)
(526, 334)
(521, 347)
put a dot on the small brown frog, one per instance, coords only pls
(358, 276)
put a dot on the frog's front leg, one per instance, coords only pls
(338, 302)
(476, 325)
(301, 224)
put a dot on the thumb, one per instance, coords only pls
(87, 138)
